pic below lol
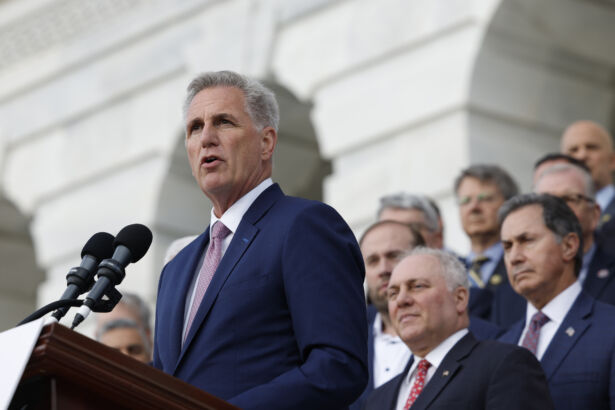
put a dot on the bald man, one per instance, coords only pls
(591, 143)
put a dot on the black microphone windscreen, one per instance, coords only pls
(137, 238)
(100, 246)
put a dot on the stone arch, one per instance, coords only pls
(538, 69)
(19, 273)
(183, 209)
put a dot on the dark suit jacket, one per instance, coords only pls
(600, 282)
(605, 233)
(579, 363)
(497, 302)
(480, 328)
(283, 322)
(476, 375)
(607, 217)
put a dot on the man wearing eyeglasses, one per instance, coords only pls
(481, 190)
(574, 185)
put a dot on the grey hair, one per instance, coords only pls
(261, 104)
(405, 200)
(124, 324)
(588, 182)
(138, 305)
(453, 271)
(556, 215)
(490, 173)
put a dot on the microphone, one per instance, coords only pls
(81, 278)
(130, 245)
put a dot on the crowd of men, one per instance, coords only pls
(540, 270)
(266, 308)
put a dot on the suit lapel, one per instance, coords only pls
(513, 334)
(498, 277)
(599, 273)
(446, 371)
(391, 403)
(242, 239)
(570, 331)
(182, 275)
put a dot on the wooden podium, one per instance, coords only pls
(70, 371)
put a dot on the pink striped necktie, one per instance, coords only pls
(210, 264)
(530, 340)
(419, 383)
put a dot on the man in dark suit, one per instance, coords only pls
(574, 185)
(265, 309)
(428, 300)
(571, 333)
(382, 245)
(480, 191)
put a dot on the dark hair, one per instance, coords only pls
(414, 230)
(556, 156)
(556, 215)
(490, 173)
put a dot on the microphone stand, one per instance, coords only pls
(50, 308)
(103, 305)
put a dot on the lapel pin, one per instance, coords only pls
(603, 273)
(495, 279)
(245, 240)
(570, 331)
(445, 373)
(605, 218)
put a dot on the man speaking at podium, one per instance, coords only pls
(265, 309)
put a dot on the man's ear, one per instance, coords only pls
(461, 296)
(269, 138)
(570, 246)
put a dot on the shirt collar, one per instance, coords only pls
(437, 355)
(605, 196)
(494, 253)
(378, 333)
(377, 325)
(558, 307)
(232, 217)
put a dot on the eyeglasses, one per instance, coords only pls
(483, 197)
(576, 199)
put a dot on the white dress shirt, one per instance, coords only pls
(231, 219)
(605, 196)
(390, 354)
(556, 310)
(434, 357)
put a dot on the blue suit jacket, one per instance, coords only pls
(600, 282)
(475, 375)
(605, 232)
(607, 218)
(480, 328)
(580, 360)
(497, 302)
(283, 322)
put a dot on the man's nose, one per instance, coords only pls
(581, 154)
(474, 204)
(404, 298)
(515, 255)
(209, 136)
